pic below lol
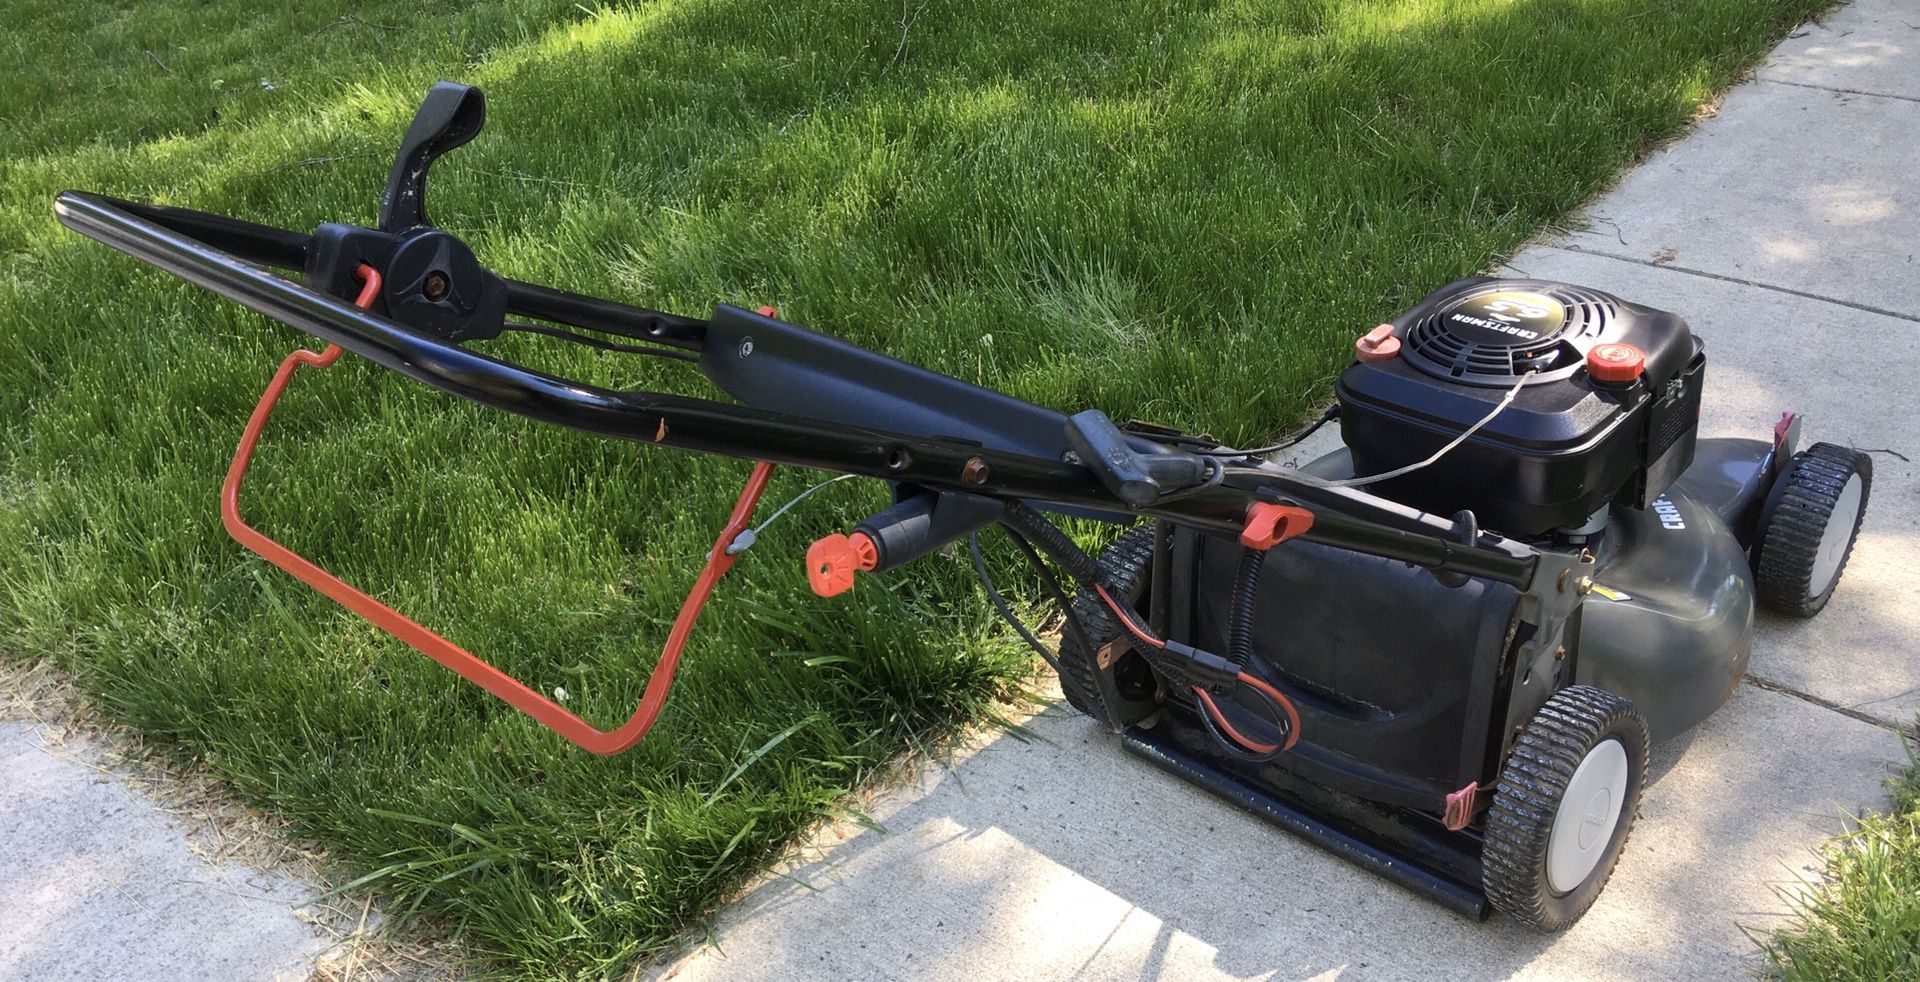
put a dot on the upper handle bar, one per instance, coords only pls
(171, 239)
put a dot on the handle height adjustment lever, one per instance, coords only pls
(434, 282)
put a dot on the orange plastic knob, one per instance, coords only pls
(1378, 344)
(832, 561)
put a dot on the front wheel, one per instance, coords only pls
(1807, 527)
(1563, 807)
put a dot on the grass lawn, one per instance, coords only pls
(1175, 210)
(1863, 920)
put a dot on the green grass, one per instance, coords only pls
(1181, 211)
(1862, 920)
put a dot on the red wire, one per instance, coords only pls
(1126, 619)
(1237, 737)
(1260, 685)
(467, 665)
(1285, 704)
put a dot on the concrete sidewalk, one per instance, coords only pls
(115, 866)
(97, 882)
(1785, 229)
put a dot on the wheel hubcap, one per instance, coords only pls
(1834, 539)
(1588, 814)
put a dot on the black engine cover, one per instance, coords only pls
(1566, 447)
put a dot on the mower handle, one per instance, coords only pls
(812, 397)
(180, 241)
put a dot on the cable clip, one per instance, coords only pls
(1461, 806)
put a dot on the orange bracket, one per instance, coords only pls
(547, 712)
(1269, 524)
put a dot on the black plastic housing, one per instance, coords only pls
(1566, 447)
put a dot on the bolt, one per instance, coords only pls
(746, 347)
(974, 471)
(436, 285)
(1583, 585)
(1560, 653)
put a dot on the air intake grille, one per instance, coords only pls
(1493, 333)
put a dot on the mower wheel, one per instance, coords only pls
(1807, 527)
(1566, 800)
(1129, 561)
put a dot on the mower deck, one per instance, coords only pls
(1410, 849)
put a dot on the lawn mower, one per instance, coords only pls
(1441, 652)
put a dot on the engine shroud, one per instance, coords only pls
(1568, 445)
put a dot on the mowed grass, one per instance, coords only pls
(1178, 211)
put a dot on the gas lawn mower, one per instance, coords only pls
(1441, 652)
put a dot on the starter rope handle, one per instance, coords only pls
(469, 666)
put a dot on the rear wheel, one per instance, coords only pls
(1807, 528)
(1565, 803)
(1129, 563)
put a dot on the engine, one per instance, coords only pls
(1601, 404)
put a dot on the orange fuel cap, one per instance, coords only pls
(1615, 363)
(1378, 344)
(769, 312)
(832, 561)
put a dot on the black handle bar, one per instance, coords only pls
(226, 256)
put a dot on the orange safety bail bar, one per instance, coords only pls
(547, 712)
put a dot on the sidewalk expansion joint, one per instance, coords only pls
(1830, 88)
(1770, 685)
(1650, 264)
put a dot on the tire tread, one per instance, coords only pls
(1527, 797)
(1788, 541)
(1128, 561)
